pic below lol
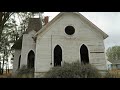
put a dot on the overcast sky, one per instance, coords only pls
(109, 22)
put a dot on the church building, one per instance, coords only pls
(68, 37)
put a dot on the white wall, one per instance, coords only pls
(28, 44)
(16, 60)
(70, 45)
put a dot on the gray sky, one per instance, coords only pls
(109, 22)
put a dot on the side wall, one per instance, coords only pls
(28, 44)
(16, 60)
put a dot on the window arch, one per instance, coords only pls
(31, 59)
(84, 54)
(57, 56)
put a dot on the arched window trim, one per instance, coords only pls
(87, 50)
(54, 54)
(28, 59)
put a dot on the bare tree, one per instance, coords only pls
(4, 16)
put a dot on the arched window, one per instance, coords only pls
(19, 62)
(84, 54)
(57, 56)
(31, 59)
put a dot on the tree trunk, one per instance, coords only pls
(3, 63)
(1, 16)
(8, 68)
(0, 32)
(0, 69)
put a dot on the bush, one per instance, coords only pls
(73, 70)
(112, 74)
(24, 72)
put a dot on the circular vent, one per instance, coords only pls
(69, 30)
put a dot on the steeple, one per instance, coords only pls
(34, 24)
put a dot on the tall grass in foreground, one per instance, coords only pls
(24, 72)
(73, 70)
(113, 74)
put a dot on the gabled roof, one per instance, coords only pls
(77, 13)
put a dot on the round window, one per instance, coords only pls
(69, 30)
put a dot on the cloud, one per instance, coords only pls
(109, 22)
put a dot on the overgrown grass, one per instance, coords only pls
(73, 70)
(112, 74)
(24, 72)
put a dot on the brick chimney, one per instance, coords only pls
(46, 19)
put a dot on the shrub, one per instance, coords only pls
(24, 72)
(73, 70)
(112, 74)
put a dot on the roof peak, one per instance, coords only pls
(81, 16)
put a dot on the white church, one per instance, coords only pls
(68, 37)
